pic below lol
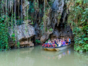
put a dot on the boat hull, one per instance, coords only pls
(56, 48)
(50, 49)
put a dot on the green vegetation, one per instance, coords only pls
(79, 21)
(37, 41)
(13, 37)
(3, 34)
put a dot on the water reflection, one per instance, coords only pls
(69, 52)
(54, 55)
(18, 57)
(38, 57)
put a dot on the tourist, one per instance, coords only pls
(52, 41)
(55, 41)
(68, 41)
(49, 42)
(59, 43)
(63, 42)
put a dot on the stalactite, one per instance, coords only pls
(60, 24)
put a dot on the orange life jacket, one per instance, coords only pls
(67, 40)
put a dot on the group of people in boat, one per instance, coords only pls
(57, 42)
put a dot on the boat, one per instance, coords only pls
(56, 48)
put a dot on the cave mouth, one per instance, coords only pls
(63, 30)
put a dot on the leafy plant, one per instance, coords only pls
(50, 29)
(3, 34)
(18, 44)
(37, 41)
(79, 19)
(13, 37)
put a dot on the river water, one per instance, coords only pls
(35, 56)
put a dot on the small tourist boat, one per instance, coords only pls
(56, 48)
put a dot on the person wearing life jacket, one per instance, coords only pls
(68, 41)
(55, 42)
(46, 44)
(59, 43)
(63, 42)
(49, 43)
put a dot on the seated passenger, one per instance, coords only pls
(68, 40)
(55, 40)
(52, 41)
(49, 42)
(54, 44)
(59, 43)
(63, 42)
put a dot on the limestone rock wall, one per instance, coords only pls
(59, 16)
(23, 31)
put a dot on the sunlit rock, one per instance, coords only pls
(23, 31)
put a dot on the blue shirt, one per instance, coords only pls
(69, 40)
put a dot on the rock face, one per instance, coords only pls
(58, 6)
(59, 15)
(23, 31)
(26, 43)
(45, 36)
(17, 6)
(56, 18)
(31, 44)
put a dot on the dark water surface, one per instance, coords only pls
(37, 57)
